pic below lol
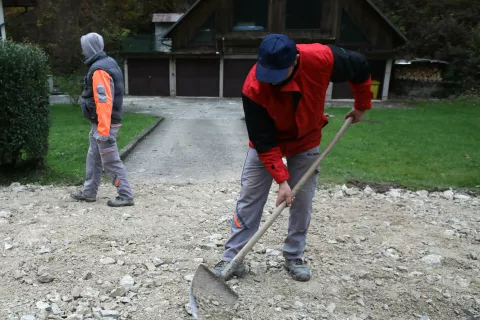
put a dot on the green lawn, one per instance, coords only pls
(433, 145)
(68, 144)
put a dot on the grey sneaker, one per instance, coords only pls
(120, 202)
(298, 269)
(240, 271)
(80, 196)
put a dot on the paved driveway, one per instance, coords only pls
(201, 139)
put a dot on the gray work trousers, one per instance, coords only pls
(255, 186)
(105, 155)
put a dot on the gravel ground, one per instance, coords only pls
(393, 255)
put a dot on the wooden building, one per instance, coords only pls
(208, 50)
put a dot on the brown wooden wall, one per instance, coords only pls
(372, 25)
(379, 33)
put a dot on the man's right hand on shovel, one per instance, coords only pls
(284, 193)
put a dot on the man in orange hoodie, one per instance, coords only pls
(102, 101)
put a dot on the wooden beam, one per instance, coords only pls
(2, 23)
(125, 70)
(172, 76)
(276, 16)
(222, 68)
(386, 81)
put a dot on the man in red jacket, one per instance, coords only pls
(283, 100)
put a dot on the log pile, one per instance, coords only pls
(419, 73)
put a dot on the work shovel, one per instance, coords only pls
(214, 289)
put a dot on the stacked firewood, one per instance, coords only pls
(431, 74)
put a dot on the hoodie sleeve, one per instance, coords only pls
(352, 67)
(103, 93)
(262, 134)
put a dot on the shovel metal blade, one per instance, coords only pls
(207, 286)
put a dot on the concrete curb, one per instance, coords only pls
(129, 148)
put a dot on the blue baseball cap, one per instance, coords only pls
(276, 55)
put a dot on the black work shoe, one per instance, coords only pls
(120, 202)
(80, 196)
(298, 269)
(240, 271)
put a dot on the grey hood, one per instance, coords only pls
(92, 44)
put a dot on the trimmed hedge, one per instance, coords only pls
(24, 103)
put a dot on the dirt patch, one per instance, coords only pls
(398, 255)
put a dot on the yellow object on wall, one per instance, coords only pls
(374, 88)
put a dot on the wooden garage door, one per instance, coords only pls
(148, 77)
(377, 68)
(234, 74)
(198, 77)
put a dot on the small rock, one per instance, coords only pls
(433, 259)
(43, 305)
(120, 262)
(127, 282)
(158, 262)
(17, 274)
(216, 236)
(402, 269)
(110, 306)
(28, 317)
(125, 300)
(297, 305)
(117, 292)
(279, 298)
(447, 295)
(107, 260)
(393, 253)
(473, 256)
(208, 246)
(90, 293)
(368, 191)
(259, 248)
(8, 246)
(67, 298)
(5, 214)
(273, 264)
(198, 260)
(379, 282)
(351, 192)
(461, 197)
(215, 303)
(87, 276)
(188, 309)
(422, 194)
(394, 193)
(150, 266)
(448, 195)
(43, 250)
(338, 194)
(189, 277)
(424, 318)
(272, 252)
(76, 292)
(449, 233)
(361, 302)
(331, 307)
(75, 316)
(45, 278)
